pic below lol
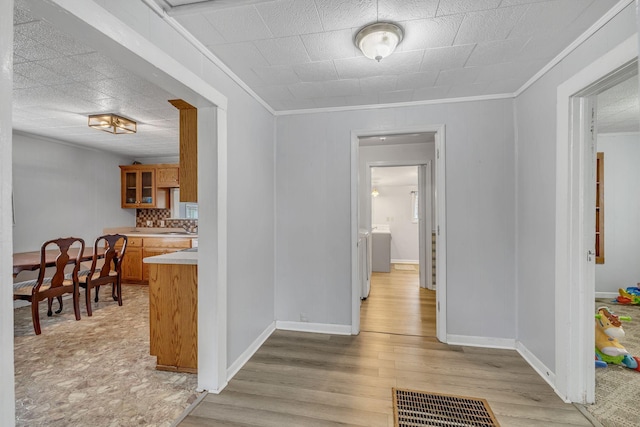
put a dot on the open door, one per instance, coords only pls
(425, 226)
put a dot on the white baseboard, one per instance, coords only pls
(504, 343)
(611, 295)
(405, 261)
(246, 355)
(542, 370)
(319, 328)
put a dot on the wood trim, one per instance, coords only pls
(188, 150)
(599, 240)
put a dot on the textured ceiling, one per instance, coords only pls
(59, 81)
(394, 176)
(618, 109)
(299, 54)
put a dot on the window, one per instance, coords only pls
(415, 212)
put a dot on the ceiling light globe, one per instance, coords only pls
(377, 41)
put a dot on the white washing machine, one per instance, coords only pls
(381, 248)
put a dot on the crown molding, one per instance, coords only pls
(395, 105)
(611, 13)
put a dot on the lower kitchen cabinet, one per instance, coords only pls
(138, 248)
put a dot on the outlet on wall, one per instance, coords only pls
(304, 317)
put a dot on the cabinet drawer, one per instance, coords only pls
(167, 242)
(135, 242)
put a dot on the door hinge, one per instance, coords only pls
(438, 305)
(438, 153)
(438, 230)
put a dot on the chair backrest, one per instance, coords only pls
(112, 255)
(66, 255)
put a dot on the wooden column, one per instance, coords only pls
(188, 150)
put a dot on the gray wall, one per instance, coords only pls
(621, 268)
(7, 395)
(536, 188)
(313, 200)
(250, 162)
(419, 153)
(61, 190)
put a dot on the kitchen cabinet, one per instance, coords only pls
(132, 261)
(167, 176)
(138, 248)
(173, 316)
(138, 186)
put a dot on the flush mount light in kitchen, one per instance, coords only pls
(379, 40)
(112, 123)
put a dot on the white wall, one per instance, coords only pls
(393, 207)
(7, 394)
(621, 267)
(402, 154)
(61, 190)
(536, 189)
(313, 252)
(250, 186)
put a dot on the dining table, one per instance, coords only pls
(30, 261)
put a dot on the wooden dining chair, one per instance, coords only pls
(55, 286)
(110, 273)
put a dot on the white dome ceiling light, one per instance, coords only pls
(379, 40)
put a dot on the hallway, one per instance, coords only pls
(397, 304)
(308, 379)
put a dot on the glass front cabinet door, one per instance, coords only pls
(138, 187)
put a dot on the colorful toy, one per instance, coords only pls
(629, 296)
(608, 348)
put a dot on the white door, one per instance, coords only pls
(425, 226)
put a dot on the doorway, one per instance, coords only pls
(575, 219)
(401, 148)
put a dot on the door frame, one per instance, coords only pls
(574, 285)
(110, 34)
(440, 220)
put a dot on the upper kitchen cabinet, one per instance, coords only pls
(188, 150)
(167, 176)
(138, 186)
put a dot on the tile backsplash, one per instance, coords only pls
(157, 215)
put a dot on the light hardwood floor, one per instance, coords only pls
(397, 305)
(305, 379)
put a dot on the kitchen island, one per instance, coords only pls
(173, 310)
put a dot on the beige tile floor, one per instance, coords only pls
(96, 371)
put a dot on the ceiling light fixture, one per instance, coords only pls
(112, 123)
(379, 40)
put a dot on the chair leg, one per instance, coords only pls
(97, 292)
(35, 315)
(118, 297)
(58, 311)
(88, 299)
(49, 310)
(76, 303)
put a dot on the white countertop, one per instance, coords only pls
(187, 257)
(151, 232)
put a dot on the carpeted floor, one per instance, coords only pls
(96, 371)
(617, 387)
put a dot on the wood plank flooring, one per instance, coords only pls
(397, 305)
(305, 379)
